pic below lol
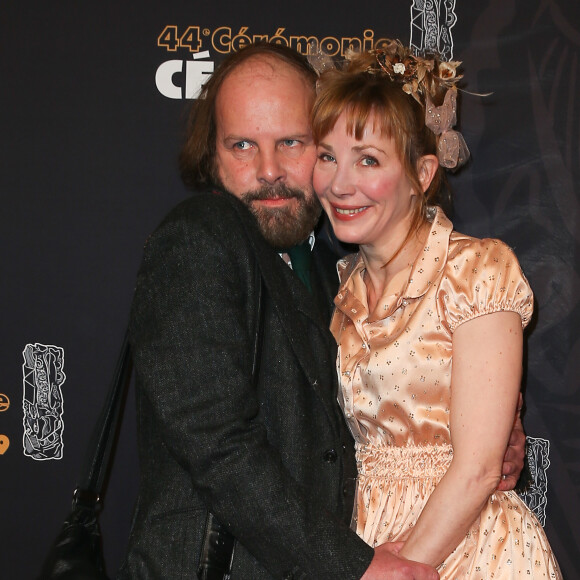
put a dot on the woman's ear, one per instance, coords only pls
(426, 168)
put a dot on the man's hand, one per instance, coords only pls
(513, 460)
(386, 565)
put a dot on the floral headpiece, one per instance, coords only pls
(423, 78)
(419, 76)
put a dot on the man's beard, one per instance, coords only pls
(282, 227)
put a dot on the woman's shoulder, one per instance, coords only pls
(463, 246)
(483, 275)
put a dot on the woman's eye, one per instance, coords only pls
(369, 161)
(326, 157)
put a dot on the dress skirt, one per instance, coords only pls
(506, 540)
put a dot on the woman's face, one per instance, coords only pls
(363, 187)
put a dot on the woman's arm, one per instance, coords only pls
(485, 382)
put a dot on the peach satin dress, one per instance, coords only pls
(395, 376)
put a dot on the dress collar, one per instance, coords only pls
(425, 271)
(432, 259)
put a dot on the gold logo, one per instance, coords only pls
(4, 402)
(226, 39)
(4, 444)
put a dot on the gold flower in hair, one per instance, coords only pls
(412, 89)
(448, 70)
(416, 73)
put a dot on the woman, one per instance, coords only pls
(428, 322)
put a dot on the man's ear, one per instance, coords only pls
(426, 168)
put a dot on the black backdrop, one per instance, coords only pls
(88, 145)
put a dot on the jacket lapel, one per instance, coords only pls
(281, 283)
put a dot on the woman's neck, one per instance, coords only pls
(387, 270)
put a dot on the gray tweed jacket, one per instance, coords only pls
(274, 462)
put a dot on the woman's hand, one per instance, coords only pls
(387, 564)
(513, 460)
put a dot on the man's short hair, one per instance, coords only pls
(197, 157)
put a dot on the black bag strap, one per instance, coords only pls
(218, 546)
(89, 490)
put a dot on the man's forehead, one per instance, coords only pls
(264, 64)
(266, 67)
(264, 91)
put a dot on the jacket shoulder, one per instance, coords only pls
(209, 208)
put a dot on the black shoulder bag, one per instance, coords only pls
(77, 552)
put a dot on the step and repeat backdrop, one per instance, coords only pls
(93, 100)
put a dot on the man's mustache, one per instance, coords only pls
(277, 192)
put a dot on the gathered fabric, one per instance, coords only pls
(506, 541)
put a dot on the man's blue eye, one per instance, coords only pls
(242, 145)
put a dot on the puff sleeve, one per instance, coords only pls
(481, 277)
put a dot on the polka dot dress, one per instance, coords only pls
(395, 376)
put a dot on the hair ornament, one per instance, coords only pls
(418, 75)
(452, 151)
(319, 60)
(426, 79)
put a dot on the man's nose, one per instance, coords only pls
(270, 168)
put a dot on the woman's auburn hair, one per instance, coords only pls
(366, 95)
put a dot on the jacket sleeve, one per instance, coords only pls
(191, 334)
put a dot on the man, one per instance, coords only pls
(268, 455)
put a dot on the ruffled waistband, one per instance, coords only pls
(414, 461)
